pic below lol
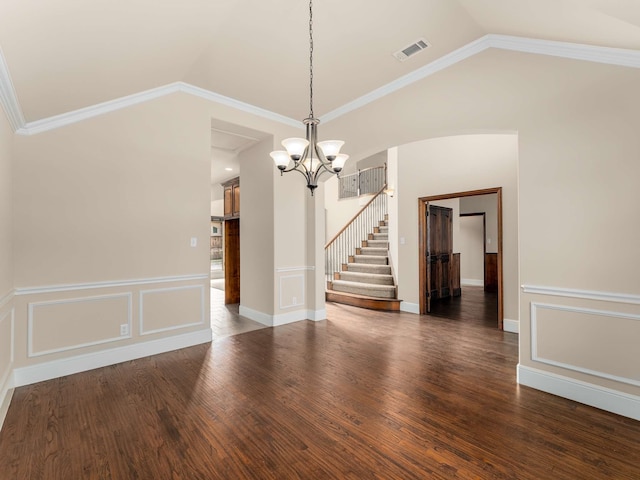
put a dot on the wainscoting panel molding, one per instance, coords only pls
(171, 308)
(109, 284)
(292, 288)
(78, 318)
(559, 350)
(584, 294)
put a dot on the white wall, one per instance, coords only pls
(488, 161)
(577, 128)
(487, 204)
(472, 250)
(6, 265)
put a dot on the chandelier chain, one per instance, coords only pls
(311, 58)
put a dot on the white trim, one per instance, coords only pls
(611, 56)
(441, 63)
(82, 363)
(7, 298)
(6, 380)
(588, 311)
(238, 105)
(512, 326)
(256, 316)
(109, 284)
(295, 269)
(410, 307)
(594, 395)
(607, 55)
(68, 118)
(587, 294)
(298, 316)
(8, 97)
(576, 51)
(317, 315)
(174, 327)
(286, 318)
(5, 400)
(471, 282)
(283, 318)
(6, 375)
(32, 305)
(299, 303)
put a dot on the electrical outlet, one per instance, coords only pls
(124, 329)
(294, 301)
(194, 241)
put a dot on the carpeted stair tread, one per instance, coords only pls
(383, 243)
(373, 278)
(375, 259)
(374, 251)
(369, 268)
(372, 290)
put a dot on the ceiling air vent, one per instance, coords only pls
(411, 49)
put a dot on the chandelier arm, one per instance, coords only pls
(313, 163)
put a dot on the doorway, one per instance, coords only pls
(492, 260)
(232, 261)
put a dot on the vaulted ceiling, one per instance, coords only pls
(66, 55)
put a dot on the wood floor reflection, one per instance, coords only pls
(363, 395)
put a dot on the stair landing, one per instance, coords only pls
(362, 301)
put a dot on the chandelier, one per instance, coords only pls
(306, 155)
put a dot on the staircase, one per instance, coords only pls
(366, 280)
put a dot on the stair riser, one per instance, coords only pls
(369, 292)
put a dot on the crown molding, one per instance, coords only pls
(462, 53)
(238, 105)
(57, 121)
(8, 97)
(591, 53)
(576, 51)
(64, 119)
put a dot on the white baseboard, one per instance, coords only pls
(594, 395)
(283, 318)
(410, 307)
(512, 326)
(5, 400)
(82, 363)
(471, 282)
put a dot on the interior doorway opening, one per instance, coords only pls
(217, 252)
(444, 273)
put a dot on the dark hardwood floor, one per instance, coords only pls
(364, 395)
(474, 305)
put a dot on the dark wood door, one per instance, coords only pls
(439, 252)
(232, 261)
